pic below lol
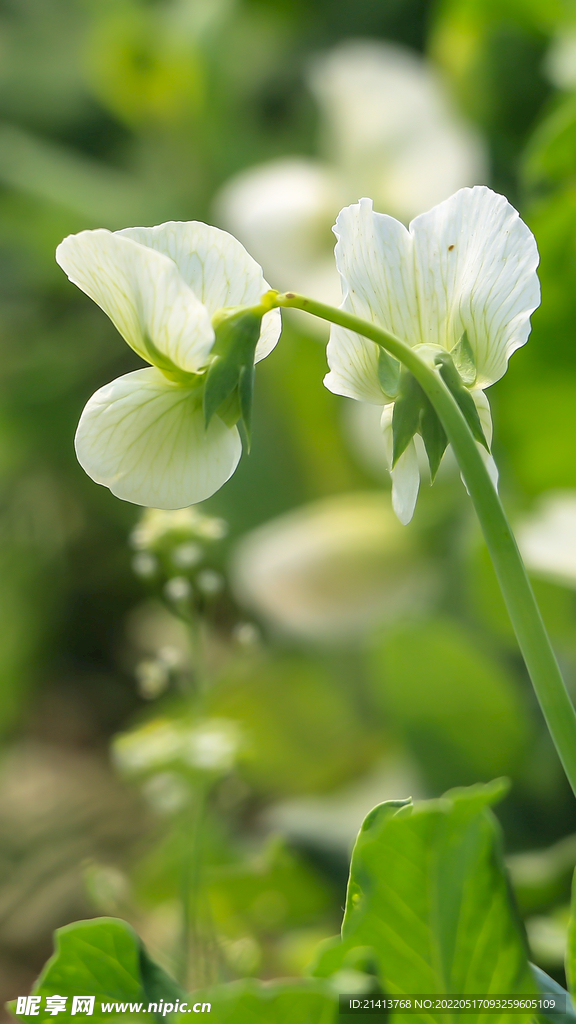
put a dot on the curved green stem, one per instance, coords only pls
(518, 594)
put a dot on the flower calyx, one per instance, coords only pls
(413, 412)
(229, 386)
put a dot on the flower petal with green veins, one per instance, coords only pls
(375, 260)
(217, 268)
(476, 263)
(469, 264)
(144, 295)
(145, 439)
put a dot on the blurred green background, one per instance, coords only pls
(332, 659)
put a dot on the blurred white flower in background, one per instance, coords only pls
(331, 570)
(547, 538)
(213, 745)
(388, 129)
(207, 745)
(560, 60)
(332, 822)
(157, 525)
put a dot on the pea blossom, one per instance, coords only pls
(146, 435)
(460, 280)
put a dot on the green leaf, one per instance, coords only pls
(429, 896)
(230, 378)
(156, 983)
(406, 416)
(104, 958)
(571, 944)
(434, 437)
(251, 1002)
(464, 361)
(548, 987)
(388, 373)
(453, 382)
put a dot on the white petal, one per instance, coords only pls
(476, 271)
(484, 413)
(386, 426)
(375, 260)
(405, 484)
(483, 406)
(216, 266)
(144, 438)
(143, 294)
(406, 472)
(391, 127)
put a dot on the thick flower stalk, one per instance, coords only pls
(165, 436)
(458, 286)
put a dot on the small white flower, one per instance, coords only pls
(210, 582)
(144, 435)
(187, 555)
(213, 745)
(466, 266)
(178, 589)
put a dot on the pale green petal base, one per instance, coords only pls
(145, 439)
(405, 474)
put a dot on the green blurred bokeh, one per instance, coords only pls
(122, 112)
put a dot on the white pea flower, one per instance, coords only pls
(144, 434)
(388, 129)
(462, 276)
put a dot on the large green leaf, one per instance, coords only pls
(103, 958)
(548, 987)
(571, 945)
(429, 904)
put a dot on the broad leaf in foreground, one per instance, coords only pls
(251, 1002)
(429, 907)
(106, 959)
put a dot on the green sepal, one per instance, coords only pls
(388, 373)
(406, 416)
(453, 382)
(230, 379)
(434, 437)
(464, 361)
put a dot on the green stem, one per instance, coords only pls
(189, 889)
(516, 588)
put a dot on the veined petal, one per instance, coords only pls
(475, 264)
(483, 406)
(374, 257)
(405, 474)
(145, 439)
(375, 262)
(144, 295)
(405, 484)
(215, 266)
(353, 362)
